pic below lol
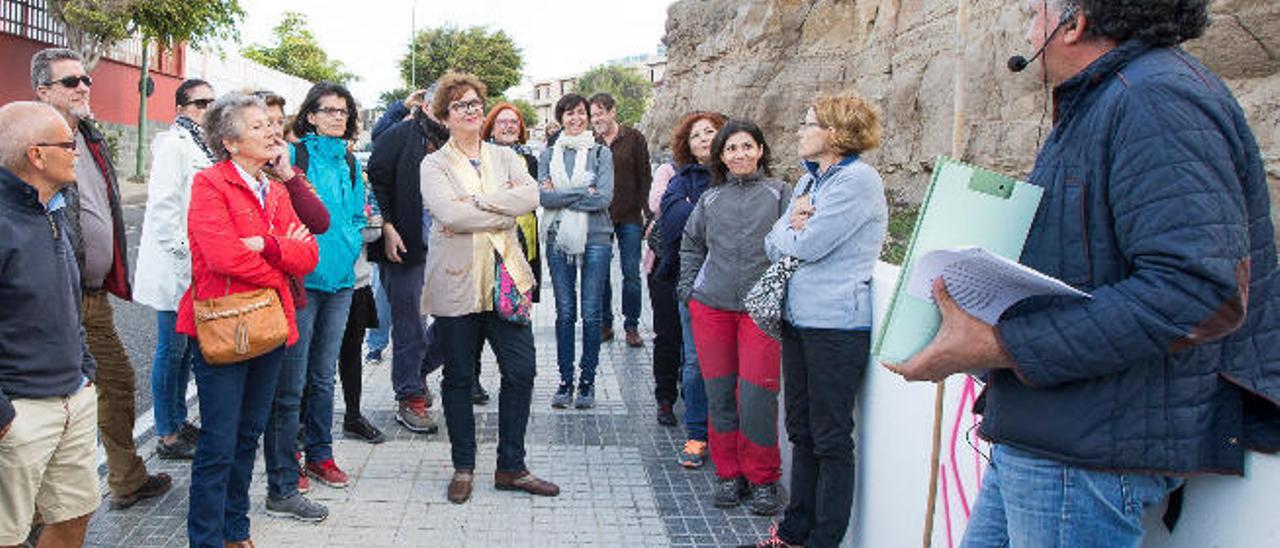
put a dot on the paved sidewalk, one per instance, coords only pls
(621, 485)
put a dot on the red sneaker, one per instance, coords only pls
(328, 473)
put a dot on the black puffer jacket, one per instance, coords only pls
(394, 176)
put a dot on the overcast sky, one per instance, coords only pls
(556, 37)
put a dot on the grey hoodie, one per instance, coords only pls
(722, 253)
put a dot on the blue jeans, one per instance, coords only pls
(170, 372)
(512, 344)
(309, 365)
(234, 401)
(417, 352)
(629, 236)
(378, 338)
(593, 265)
(1031, 501)
(695, 390)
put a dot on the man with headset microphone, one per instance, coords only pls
(1155, 202)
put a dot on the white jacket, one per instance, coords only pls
(164, 258)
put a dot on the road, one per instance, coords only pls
(136, 323)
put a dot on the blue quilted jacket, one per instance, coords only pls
(1156, 202)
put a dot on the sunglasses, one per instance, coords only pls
(71, 82)
(66, 145)
(200, 103)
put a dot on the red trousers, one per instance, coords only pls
(741, 366)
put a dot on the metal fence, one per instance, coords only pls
(30, 19)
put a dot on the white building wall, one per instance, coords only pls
(234, 72)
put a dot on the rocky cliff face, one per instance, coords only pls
(764, 59)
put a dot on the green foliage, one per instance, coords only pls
(390, 96)
(296, 51)
(94, 25)
(527, 112)
(902, 222)
(629, 89)
(491, 57)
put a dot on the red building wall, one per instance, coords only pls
(114, 97)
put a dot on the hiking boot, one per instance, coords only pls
(730, 492)
(766, 499)
(633, 338)
(460, 486)
(478, 394)
(774, 541)
(360, 428)
(156, 485)
(694, 454)
(586, 397)
(328, 473)
(189, 432)
(606, 333)
(564, 395)
(180, 449)
(297, 507)
(524, 481)
(412, 414)
(666, 415)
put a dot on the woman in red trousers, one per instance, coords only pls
(721, 257)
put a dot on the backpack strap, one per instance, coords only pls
(302, 159)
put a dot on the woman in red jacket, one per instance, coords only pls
(244, 236)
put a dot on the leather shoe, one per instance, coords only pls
(606, 333)
(633, 339)
(460, 486)
(524, 481)
(246, 543)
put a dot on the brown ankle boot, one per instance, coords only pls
(524, 481)
(460, 486)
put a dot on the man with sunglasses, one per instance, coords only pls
(48, 455)
(98, 238)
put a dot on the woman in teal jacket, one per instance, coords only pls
(325, 121)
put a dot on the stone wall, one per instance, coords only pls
(764, 59)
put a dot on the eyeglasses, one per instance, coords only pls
(515, 123)
(463, 107)
(66, 145)
(199, 103)
(334, 112)
(72, 82)
(807, 124)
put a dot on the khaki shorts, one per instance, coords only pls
(48, 460)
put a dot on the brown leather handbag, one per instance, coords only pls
(241, 326)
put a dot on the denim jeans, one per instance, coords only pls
(821, 370)
(417, 352)
(512, 344)
(629, 237)
(1030, 501)
(308, 367)
(234, 401)
(593, 265)
(695, 389)
(170, 372)
(379, 337)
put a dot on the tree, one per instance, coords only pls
(296, 51)
(526, 110)
(492, 57)
(92, 26)
(629, 89)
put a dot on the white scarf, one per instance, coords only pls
(571, 235)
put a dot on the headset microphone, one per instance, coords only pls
(1018, 63)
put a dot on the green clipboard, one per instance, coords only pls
(965, 206)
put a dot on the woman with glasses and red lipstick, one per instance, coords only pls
(164, 262)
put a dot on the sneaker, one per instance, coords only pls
(180, 449)
(373, 357)
(586, 397)
(360, 428)
(156, 485)
(694, 454)
(730, 492)
(189, 432)
(412, 414)
(766, 499)
(297, 507)
(304, 483)
(564, 395)
(666, 415)
(328, 473)
(774, 541)
(478, 394)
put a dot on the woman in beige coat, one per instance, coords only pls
(478, 282)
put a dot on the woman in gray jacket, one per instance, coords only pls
(721, 257)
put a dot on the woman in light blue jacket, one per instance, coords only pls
(326, 120)
(835, 227)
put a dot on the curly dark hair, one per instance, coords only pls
(680, 152)
(720, 171)
(302, 127)
(1157, 22)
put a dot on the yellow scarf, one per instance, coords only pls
(485, 243)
